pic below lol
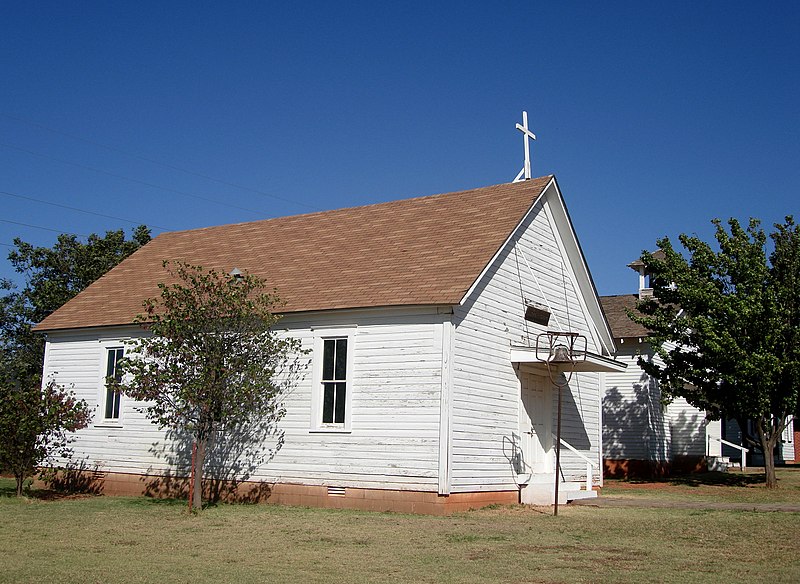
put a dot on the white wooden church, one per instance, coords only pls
(435, 306)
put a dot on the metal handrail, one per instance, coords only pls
(589, 462)
(742, 464)
(573, 449)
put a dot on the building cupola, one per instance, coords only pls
(645, 290)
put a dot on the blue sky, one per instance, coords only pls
(655, 118)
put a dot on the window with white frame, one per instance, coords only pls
(788, 433)
(333, 379)
(111, 406)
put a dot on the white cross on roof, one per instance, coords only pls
(525, 173)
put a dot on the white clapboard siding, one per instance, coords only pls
(787, 442)
(635, 426)
(396, 386)
(486, 389)
(687, 428)
(687, 423)
(580, 425)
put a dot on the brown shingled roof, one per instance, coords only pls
(621, 325)
(638, 263)
(423, 251)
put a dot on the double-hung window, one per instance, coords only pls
(334, 381)
(332, 394)
(112, 397)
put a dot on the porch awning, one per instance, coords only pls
(591, 362)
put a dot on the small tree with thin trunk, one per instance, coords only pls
(213, 361)
(36, 425)
(726, 325)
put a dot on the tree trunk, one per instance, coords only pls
(20, 482)
(769, 469)
(768, 446)
(197, 498)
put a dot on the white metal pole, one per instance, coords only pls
(558, 450)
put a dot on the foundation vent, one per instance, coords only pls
(336, 491)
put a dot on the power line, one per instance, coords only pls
(134, 180)
(44, 228)
(18, 196)
(157, 162)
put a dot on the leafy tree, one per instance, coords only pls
(213, 362)
(726, 325)
(53, 275)
(35, 424)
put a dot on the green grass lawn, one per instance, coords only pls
(116, 539)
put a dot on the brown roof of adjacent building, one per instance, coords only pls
(638, 263)
(621, 325)
(422, 251)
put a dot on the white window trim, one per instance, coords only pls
(320, 335)
(789, 431)
(100, 420)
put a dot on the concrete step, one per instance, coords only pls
(564, 498)
(544, 494)
(718, 463)
(573, 491)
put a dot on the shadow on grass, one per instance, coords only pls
(706, 479)
(10, 491)
(157, 502)
(7, 487)
(720, 479)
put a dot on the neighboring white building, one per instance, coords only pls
(641, 436)
(442, 404)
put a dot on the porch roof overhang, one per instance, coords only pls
(586, 362)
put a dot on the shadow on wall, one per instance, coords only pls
(521, 471)
(572, 426)
(233, 457)
(633, 425)
(688, 433)
(74, 477)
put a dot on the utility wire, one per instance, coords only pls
(157, 162)
(18, 196)
(44, 228)
(134, 180)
